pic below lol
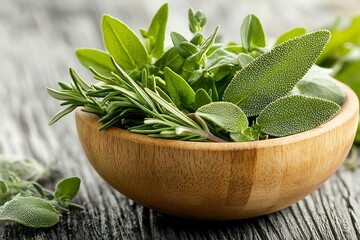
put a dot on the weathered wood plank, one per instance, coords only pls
(37, 41)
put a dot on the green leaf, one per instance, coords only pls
(179, 90)
(244, 59)
(226, 115)
(30, 211)
(252, 33)
(293, 114)
(295, 32)
(340, 40)
(274, 73)
(201, 98)
(177, 39)
(220, 58)
(318, 83)
(3, 187)
(98, 60)
(171, 59)
(123, 44)
(157, 30)
(350, 74)
(66, 189)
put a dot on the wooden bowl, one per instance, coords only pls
(219, 181)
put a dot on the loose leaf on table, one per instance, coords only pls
(157, 31)
(293, 114)
(30, 211)
(123, 44)
(274, 73)
(295, 32)
(226, 115)
(179, 90)
(98, 60)
(66, 189)
(318, 83)
(252, 33)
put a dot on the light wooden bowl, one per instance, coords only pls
(219, 181)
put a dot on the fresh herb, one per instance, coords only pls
(200, 89)
(342, 54)
(25, 201)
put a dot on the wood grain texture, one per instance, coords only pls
(219, 181)
(37, 43)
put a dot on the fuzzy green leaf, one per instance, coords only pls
(201, 98)
(123, 44)
(66, 189)
(244, 59)
(252, 33)
(293, 114)
(295, 32)
(179, 90)
(318, 83)
(3, 187)
(157, 30)
(30, 211)
(274, 73)
(177, 39)
(98, 60)
(226, 115)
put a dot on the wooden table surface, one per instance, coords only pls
(37, 43)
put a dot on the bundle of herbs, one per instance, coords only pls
(203, 90)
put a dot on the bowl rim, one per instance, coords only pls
(348, 109)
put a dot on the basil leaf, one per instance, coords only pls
(123, 44)
(220, 58)
(30, 211)
(350, 74)
(318, 83)
(201, 98)
(274, 73)
(226, 115)
(157, 30)
(66, 189)
(295, 32)
(98, 60)
(179, 90)
(252, 33)
(293, 114)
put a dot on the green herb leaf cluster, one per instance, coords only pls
(199, 89)
(25, 201)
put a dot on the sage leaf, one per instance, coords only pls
(30, 211)
(295, 32)
(252, 33)
(225, 115)
(274, 73)
(98, 60)
(179, 90)
(157, 30)
(66, 189)
(123, 44)
(293, 114)
(318, 83)
(244, 59)
(201, 98)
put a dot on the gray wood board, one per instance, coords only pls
(37, 43)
